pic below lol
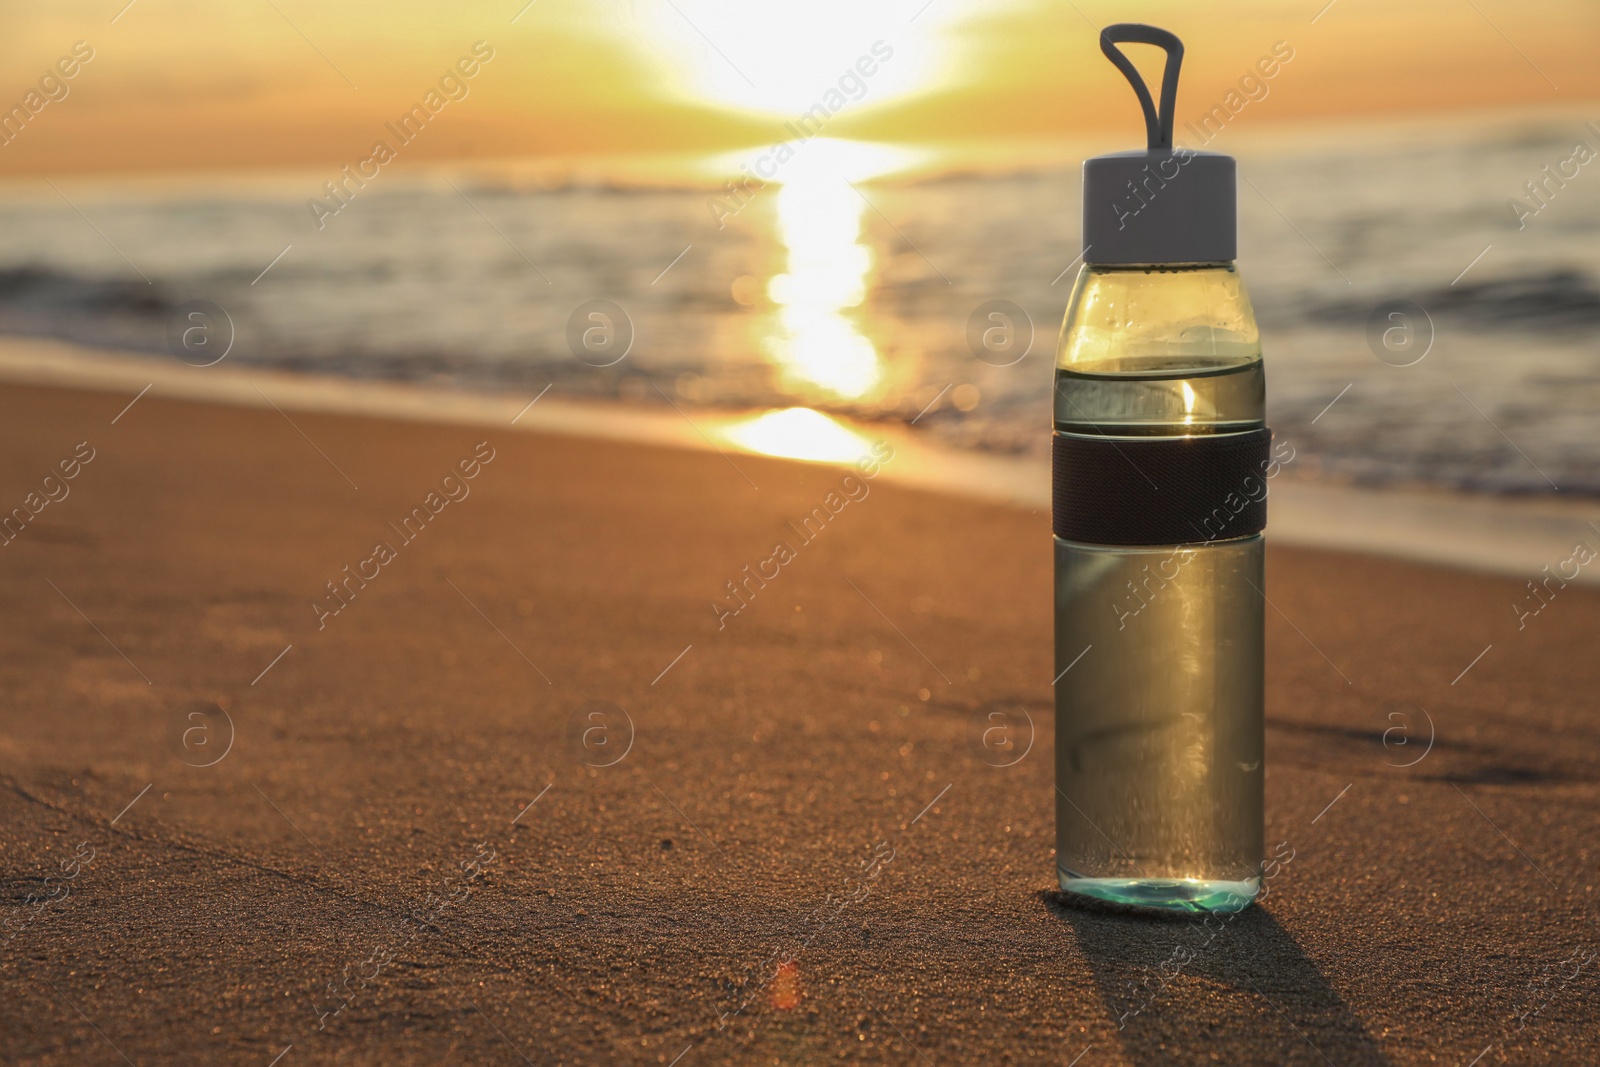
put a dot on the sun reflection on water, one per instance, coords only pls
(814, 336)
(814, 340)
(798, 433)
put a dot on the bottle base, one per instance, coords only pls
(1168, 894)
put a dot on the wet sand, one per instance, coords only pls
(519, 799)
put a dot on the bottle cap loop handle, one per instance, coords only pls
(1158, 125)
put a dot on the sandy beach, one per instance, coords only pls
(507, 792)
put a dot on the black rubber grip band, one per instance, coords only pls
(1160, 490)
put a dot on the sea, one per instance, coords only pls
(1420, 327)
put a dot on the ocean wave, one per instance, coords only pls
(105, 312)
(1561, 299)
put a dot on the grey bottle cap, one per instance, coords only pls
(1161, 205)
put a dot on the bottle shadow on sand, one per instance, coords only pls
(1204, 989)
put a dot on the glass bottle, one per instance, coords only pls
(1161, 459)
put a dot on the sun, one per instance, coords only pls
(783, 59)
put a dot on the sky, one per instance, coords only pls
(194, 85)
